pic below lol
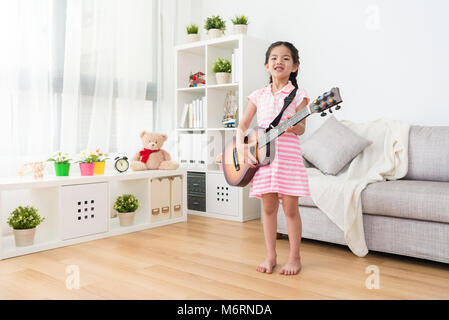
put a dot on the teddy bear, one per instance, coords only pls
(152, 157)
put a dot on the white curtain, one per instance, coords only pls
(109, 75)
(105, 92)
(27, 98)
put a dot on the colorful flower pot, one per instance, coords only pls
(87, 169)
(62, 169)
(99, 167)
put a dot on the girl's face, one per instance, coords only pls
(280, 63)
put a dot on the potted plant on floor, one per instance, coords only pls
(87, 162)
(100, 161)
(126, 206)
(222, 69)
(192, 33)
(62, 163)
(215, 27)
(240, 24)
(24, 221)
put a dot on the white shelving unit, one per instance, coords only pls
(50, 196)
(199, 57)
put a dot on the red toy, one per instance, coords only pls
(196, 79)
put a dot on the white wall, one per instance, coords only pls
(390, 58)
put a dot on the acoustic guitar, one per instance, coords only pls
(240, 173)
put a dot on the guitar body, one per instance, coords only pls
(236, 171)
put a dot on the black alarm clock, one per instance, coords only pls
(121, 164)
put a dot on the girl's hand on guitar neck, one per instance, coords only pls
(297, 129)
(244, 153)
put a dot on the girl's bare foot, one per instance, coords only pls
(267, 266)
(292, 267)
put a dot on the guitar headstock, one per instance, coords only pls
(326, 101)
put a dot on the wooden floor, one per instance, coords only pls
(213, 259)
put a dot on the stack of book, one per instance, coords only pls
(193, 150)
(194, 114)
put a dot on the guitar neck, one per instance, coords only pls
(280, 128)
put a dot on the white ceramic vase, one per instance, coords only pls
(24, 237)
(222, 77)
(240, 28)
(214, 33)
(193, 37)
(126, 218)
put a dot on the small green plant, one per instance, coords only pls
(60, 158)
(215, 22)
(192, 29)
(240, 20)
(24, 218)
(222, 65)
(89, 156)
(126, 203)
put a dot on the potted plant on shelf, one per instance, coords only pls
(100, 161)
(24, 221)
(126, 206)
(240, 24)
(215, 27)
(62, 163)
(222, 69)
(87, 162)
(192, 33)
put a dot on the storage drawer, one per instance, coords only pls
(221, 198)
(197, 203)
(84, 210)
(160, 199)
(176, 196)
(196, 183)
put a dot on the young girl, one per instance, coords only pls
(285, 177)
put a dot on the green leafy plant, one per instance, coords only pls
(126, 203)
(192, 29)
(60, 157)
(89, 156)
(25, 218)
(240, 20)
(222, 65)
(215, 22)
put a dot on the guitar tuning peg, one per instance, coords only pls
(337, 107)
(330, 110)
(323, 114)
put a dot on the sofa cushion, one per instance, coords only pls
(428, 154)
(332, 146)
(422, 200)
(410, 199)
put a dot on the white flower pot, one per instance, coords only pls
(214, 33)
(222, 77)
(193, 37)
(240, 28)
(126, 218)
(24, 237)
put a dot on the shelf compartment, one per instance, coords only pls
(217, 141)
(190, 61)
(216, 100)
(139, 188)
(45, 200)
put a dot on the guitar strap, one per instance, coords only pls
(287, 102)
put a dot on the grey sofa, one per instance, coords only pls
(407, 217)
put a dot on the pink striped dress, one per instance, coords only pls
(286, 174)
